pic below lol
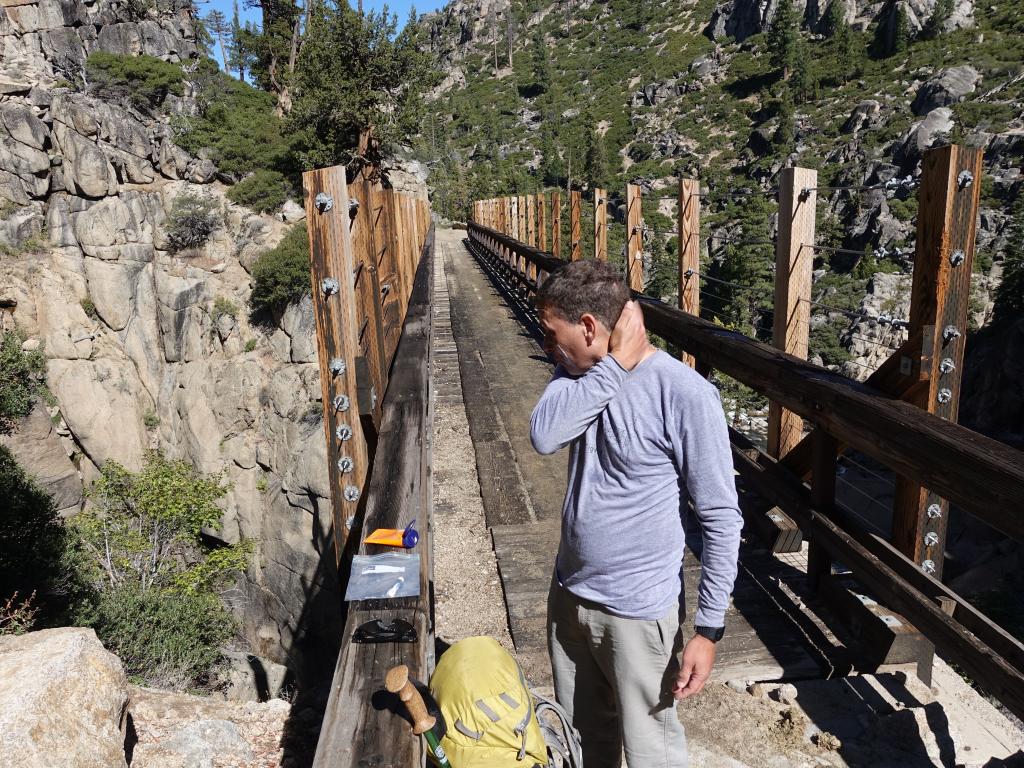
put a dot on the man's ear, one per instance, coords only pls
(590, 327)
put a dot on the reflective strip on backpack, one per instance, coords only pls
(461, 728)
(482, 706)
(508, 700)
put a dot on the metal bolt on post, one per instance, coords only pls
(340, 403)
(928, 566)
(947, 365)
(351, 493)
(345, 464)
(329, 286)
(957, 257)
(931, 539)
(343, 432)
(965, 179)
(323, 202)
(945, 395)
(337, 366)
(934, 511)
(949, 333)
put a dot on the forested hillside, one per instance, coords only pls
(576, 94)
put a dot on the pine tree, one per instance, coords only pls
(804, 82)
(783, 37)
(541, 65)
(901, 30)
(595, 162)
(937, 21)
(236, 49)
(835, 19)
(787, 115)
(1009, 301)
(217, 26)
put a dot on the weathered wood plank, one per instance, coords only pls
(358, 728)
(689, 252)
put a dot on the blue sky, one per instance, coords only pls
(399, 7)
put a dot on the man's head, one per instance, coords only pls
(578, 306)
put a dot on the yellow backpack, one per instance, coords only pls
(487, 708)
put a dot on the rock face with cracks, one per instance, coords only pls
(137, 356)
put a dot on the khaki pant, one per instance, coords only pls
(614, 676)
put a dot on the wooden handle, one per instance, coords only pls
(398, 682)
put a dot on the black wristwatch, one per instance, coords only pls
(714, 634)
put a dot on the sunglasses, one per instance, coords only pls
(376, 631)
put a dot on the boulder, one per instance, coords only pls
(950, 86)
(867, 114)
(936, 126)
(37, 446)
(292, 212)
(62, 701)
(87, 171)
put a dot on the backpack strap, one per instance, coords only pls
(566, 744)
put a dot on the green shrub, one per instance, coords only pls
(237, 124)
(222, 307)
(31, 540)
(262, 191)
(250, 345)
(21, 378)
(164, 637)
(154, 579)
(150, 420)
(144, 81)
(193, 219)
(281, 275)
(89, 307)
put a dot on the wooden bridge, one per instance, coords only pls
(888, 603)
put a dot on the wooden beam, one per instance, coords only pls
(556, 224)
(635, 239)
(600, 224)
(794, 260)
(334, 309)
(689, 252)
(574, 225)
(531, 220)
(356, 730)
(542, 230)
(940, 294)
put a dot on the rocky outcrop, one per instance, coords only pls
(946, 88)
(149, 349)
(63, 700)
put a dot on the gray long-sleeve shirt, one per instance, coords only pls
(642, 444)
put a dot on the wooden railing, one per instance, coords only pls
(372, 257)
(927, 450)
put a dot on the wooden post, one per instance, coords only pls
(600, 224)
(946, 227)
(334, 309)
(574, 225)
(556, 224)
(794, 258)
(823, 496)
(523, 233)
(635, 241)
(367, 287)
(689, 252)
(542, 232)
(531, 220)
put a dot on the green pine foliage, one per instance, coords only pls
(784, 38)
(262, 191)
(192, 220)
(236, 125)
(143, 81)
(281, 275)
(354, 72)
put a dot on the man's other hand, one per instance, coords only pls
(628, 343)
(695, 667)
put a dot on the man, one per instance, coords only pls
(647, 437)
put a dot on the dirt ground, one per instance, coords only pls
(889, 720)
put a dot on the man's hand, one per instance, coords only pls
(628, 343)
(695, 667)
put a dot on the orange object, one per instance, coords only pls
(394, 537)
